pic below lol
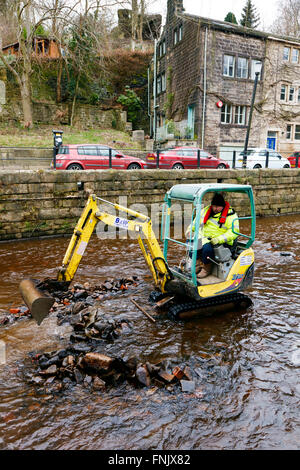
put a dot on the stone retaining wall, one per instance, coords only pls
(38, 203)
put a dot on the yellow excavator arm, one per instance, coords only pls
(138, 223)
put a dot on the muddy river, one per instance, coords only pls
(249, 380)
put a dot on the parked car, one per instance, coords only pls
(256, 158)
(94, 157)
(184, 158)
(292, 159)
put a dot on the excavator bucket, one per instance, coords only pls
(37, 301)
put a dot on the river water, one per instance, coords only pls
(248, 364)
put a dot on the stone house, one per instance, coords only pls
(204, 81)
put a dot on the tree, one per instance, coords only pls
(288, 18)
(250, 17)
(23, 13)
(230, 18)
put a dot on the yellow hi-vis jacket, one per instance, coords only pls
(212, 228)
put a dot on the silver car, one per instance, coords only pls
(256, 158)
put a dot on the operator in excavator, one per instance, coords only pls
(218, 219)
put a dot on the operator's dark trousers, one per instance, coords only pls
(206, 252)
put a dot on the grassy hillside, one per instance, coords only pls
(41, 136)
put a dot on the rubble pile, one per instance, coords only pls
(62, 369)
(72, 301)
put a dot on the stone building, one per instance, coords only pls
(204, 80)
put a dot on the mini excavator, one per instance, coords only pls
(232, 272)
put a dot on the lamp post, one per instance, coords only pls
(257, 70)
(57, 142)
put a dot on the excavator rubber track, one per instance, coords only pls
(221, 303)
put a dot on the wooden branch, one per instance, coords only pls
(143, 311)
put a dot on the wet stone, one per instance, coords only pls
(97, 361)
(143, 376)
(98, 384)
(187, 385)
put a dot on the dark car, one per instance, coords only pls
(94, 157)
(292, 159)
(184, 158)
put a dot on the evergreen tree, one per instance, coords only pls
(230, 18)
(250, 17)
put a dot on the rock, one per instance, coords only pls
(75, 338)
(68, 361)
(188, 373)
(187, 385)
(89, 300)
(143, 376)
(87, 380)
(131, 363)
(87, 285)
(77, 307)
(81, 347)
(37, 380)
(78, 376)
(108, 285)
(178, 372)
(81, 294)
(97, 361)
(166, 376)
(100, 326)
(50, 371)
(98, 384)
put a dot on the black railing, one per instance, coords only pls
(28, 157)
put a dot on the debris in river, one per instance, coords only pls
(58, 370)
(78, 298)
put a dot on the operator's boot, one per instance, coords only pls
(199, 266)
(205, 271)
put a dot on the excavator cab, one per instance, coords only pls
(233, 267)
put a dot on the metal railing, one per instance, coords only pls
(41, 157)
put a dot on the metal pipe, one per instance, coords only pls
(149, 110)
(204, 89)
(154, 92)
(249, 122)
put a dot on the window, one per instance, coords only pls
(158, 84)
(291, 93)
(180, 33)
(228, 67)
(226, 114)
(283, 92)
(288, 131)
(298, 99)
(91, 150)
(240, 115)
(255, 63)
(175, 36)
(286, 53)
(162, 48)
(297, 132)
(295, 56)
(242, 68)
(163, 81)
(64, 150)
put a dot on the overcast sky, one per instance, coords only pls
(218, 9)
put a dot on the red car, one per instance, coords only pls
(292, 159)
(94, 157)
(184, 158)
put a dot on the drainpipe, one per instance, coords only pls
(149, 111)
(204, 90)
(154, 92)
